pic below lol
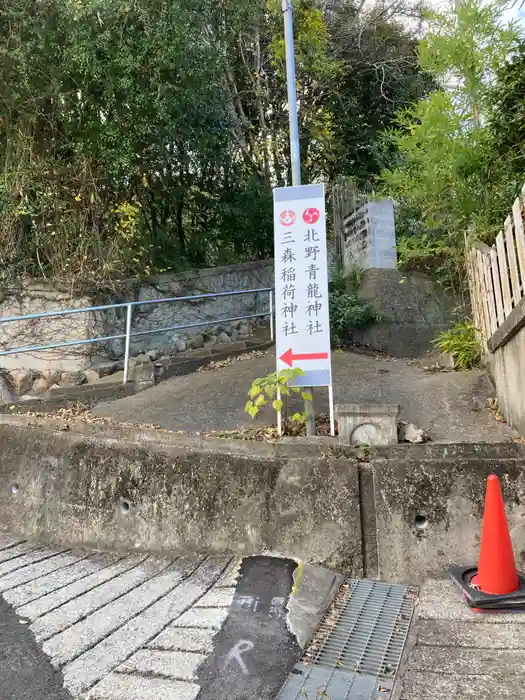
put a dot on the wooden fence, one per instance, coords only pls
(497, 274)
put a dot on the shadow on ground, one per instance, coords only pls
(25, 671)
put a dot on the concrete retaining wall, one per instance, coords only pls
(413, 310)
(96, 491)
(404, 513)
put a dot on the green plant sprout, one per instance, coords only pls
(266, 389)
(461, 342)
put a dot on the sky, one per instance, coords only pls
(517, 12)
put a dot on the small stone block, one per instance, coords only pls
(367, 424)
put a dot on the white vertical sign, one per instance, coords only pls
(301, 283)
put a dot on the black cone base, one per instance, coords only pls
(463, 575)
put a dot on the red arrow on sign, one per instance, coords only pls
(288, 357)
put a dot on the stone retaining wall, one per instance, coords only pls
(38, 298)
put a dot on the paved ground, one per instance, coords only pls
(79, 625)
(463, 655)
(113, 627)
(25, 672)
(449, 405)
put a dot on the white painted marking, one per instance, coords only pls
(236, 652)
(216, 598)
(42, 568)
(58, 579)
(205, 618)
(65, 616)
(78, 637)
(8, 541)
(27, 559)
(184, 639)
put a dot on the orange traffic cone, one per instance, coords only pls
(497, 573)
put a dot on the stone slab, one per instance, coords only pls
(479, 635)
(180, 665)
(83, 635)
(437, 686)
(468, 662)
(109, 568)
(441, 600)
(313, 591)
(121, 687)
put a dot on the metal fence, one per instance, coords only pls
(128, 333)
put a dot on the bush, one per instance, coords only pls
(347, 311)
(461, 342)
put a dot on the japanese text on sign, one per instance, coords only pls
(301, 283)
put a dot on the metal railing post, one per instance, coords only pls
(271, 315)
(128, 338)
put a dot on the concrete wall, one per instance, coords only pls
(413, 308)
(403, 513)
(37, 298)
(75, 489)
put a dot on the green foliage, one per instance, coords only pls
(506, 121)
(438, 256)
(151, 140)
(461, 342)
(446, 178)
(266, 389)
(380, 75)
(347, 311)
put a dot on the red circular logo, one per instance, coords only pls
(287, 217)
(311, 215)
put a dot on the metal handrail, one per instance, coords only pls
(128, 334)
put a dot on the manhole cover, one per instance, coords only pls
(356, 650)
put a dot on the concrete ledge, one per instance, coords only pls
(403, 513)
(104, 492)
(89, 394)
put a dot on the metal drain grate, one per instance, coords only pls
(357, 648)
(318, 683)
(366, 629)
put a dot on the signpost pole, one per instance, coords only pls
(295, 155)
